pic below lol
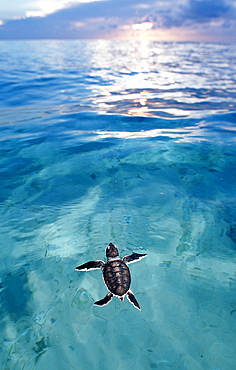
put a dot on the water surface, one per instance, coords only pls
(129, 142)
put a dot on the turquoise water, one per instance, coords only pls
(124, 142)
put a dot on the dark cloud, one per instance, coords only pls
(99, 18)
(202, 10)
(195, 11)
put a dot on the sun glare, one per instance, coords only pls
(142, 26)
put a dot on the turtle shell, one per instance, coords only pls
(117, 277)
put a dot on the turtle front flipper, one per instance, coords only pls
(91, 265)
(133, 257)
(133, 300)
(105, 300)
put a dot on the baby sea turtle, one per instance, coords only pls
(116, 274)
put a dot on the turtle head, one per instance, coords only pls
(112, 251)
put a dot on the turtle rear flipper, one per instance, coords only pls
(91, 265)
(105, 300)
(133, 300)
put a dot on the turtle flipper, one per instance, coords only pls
(133, 257)
(91, 265)
(105, 300)
(133, 300)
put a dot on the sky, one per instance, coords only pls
(161, 20)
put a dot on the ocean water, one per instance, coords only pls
(126, 142)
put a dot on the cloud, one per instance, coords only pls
(107, 18)
(180, 13)
(44, 8)
(202, 10)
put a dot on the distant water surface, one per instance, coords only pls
(129, 142)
